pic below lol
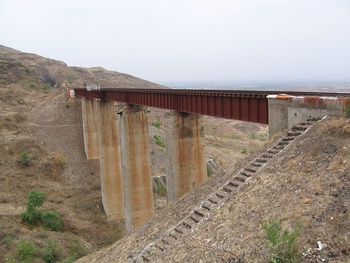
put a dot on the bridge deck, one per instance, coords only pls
(242, 105)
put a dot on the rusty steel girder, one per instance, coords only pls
(237, 105)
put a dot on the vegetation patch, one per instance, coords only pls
(283, 243)
(50, 251)
(160, 189)
(25, 250)
(156, 124)
(159, 141)
(25, 158)
(259, 136)
(32, 85)
(46, 86)
(50, 219)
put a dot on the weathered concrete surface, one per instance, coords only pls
(110, 161)
(286, 111)
(90, 128)
(186, 159)
(136, 165)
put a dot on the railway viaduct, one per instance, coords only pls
(115, 131)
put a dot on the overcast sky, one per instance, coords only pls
(187, 40)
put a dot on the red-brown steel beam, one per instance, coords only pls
(246, 106)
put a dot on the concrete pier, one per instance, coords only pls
(185, 153)
(90, 128)
(110, 161)
(136, 165)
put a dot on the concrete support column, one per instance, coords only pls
(90, 128)
(110, 161)
(136, 163)
(185, 148)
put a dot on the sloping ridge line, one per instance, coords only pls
(202, 211)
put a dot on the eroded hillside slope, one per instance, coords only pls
(308, 182)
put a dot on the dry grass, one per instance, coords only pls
(339, 126)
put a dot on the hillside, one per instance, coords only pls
(35, 116)
(309, 182)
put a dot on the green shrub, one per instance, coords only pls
(156, 124)
(46, 86)
(35, 199)
(32, 85)
(67, 105)
(25, 250)
(283, 243)
(159, 141)
(31, 215)
(50, 251)
(25, 158)
(51, 220)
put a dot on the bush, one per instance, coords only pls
(67, 105)
(25, 250)
(35, 199)
(32, 85)
(51, 220)
(50, 251)
(159, 141)
(31, 215)
(283, 243)
(25, 158)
